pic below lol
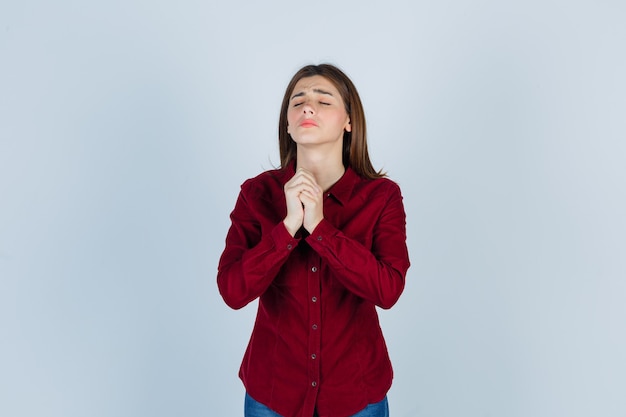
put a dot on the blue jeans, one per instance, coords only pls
(253, 408)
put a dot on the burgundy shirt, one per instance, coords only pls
(316, 342)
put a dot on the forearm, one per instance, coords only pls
(245, 273)
(376, 277)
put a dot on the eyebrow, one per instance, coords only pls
(315, 90)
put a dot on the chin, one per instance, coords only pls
(308, 140)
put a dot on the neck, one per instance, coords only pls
(326, 168)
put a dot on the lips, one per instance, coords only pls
(308, 123)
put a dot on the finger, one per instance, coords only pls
(312, 192)
(302, 179)
(309, 197)
(300, 187)
(311, 184)
(304, 176)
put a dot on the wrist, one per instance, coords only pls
(310, 227)
(291, 227)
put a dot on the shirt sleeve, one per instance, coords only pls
(251, 259)
(377, 275)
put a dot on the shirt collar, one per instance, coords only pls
(342, 189)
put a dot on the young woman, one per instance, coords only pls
(321, 242)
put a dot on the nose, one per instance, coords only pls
(307, 108)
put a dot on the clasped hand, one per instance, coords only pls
(305, 202)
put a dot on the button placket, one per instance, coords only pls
(314, 307)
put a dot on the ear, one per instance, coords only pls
(348, 126)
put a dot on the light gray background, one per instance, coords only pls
(126, 128)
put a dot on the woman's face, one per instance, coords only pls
(317, 114)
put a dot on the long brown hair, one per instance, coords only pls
(355, 153)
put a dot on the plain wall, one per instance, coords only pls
(126, 128)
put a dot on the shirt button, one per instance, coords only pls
(314, 327)
(319, 238)
(314, 269)
(289, 246)
(314, 299)
(313, 356)
(314, 384)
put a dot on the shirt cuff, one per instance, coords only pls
(283, 239)
(322, 231)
